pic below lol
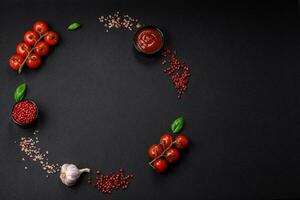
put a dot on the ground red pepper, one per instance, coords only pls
(24, 112)
(107, 183)
(178, 71)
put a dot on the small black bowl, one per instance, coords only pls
(24, 124)
(144, 27)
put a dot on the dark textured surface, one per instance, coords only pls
(102, 104)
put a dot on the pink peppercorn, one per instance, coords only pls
(177, 70)
(24, 112)
(107, 183)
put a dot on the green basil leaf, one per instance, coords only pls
(177, 125)
(20, 92)
(73, 26)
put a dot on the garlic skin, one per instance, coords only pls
(69, 174)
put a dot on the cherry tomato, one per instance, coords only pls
(40, 27)
(51, 38)
(23, 49)
(33, 61)
(30, 37)
(155, 150)
(41, 48)
(172, 155)
(166, 140)
(181, 142)
(15, 61)
(160, 165)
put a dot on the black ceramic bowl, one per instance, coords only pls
(141, 29)
(25, 124)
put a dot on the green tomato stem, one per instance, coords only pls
(26, 58)
(162, 154)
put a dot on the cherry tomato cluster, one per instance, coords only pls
(166, 151)
(36, 44)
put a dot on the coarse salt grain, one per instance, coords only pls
(117, 21)
(29, 147)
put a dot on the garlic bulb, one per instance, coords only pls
(69, 174)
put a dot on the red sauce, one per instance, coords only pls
(149, 40)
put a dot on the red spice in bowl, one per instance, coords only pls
(24, 112)
(148, 40)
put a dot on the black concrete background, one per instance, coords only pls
(102, 104)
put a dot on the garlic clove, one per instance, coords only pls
(69, 174)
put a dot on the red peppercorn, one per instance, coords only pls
(24, 112)
(107, 183)
(178, 71)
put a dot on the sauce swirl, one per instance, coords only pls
(149, 40)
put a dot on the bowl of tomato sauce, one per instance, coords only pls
(148, 40)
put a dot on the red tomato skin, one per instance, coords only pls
(155, 150)
(160, 165)
(166, 140)
(51, 38)
(181, 142)
(22, 49)
(172, 155)
(41, 48)
(40, 27)
(33, 61)
(30, 37)
(15, 61)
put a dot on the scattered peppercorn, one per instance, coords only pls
(178, 71)
(107, 183)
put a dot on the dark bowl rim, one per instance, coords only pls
(149, 26)
(36, 115)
